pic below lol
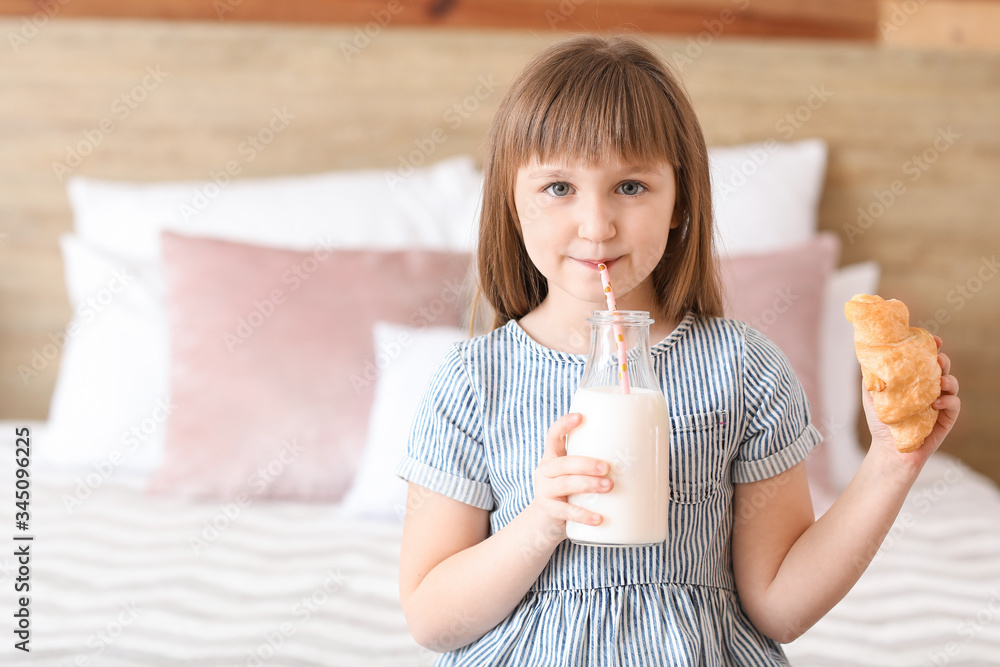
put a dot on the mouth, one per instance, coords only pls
(594, 263)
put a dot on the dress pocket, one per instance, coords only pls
(697, 455)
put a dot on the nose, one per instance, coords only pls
(597, 219)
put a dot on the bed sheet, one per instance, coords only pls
(121, 578)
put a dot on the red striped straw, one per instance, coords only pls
(613, 307)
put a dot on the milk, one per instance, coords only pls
(632, 433)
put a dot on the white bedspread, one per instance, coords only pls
(121, 578)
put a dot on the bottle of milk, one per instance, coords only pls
(631, 431)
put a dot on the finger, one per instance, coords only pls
(947, 416)
(945, 363)
(937, 339)
(576, 465)
(945, 402)
(568, 485)
(555, 439)
(949, 385)
(948, 403)
(580, 515)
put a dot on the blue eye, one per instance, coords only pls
(558, 189)
(632, 188)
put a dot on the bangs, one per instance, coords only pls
(597, 112)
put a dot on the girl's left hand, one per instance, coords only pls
(948, 405)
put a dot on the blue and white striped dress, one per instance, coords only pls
(738, 414)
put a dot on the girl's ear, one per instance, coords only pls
(676, 217)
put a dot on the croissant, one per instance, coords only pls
(898, 366)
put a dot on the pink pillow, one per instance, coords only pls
(272, 363)
(781, 293)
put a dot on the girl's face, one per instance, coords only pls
(574, 216)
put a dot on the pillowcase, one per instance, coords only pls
(765, 196)
(110, 402)
(783, 295)
(415, 354)
(272, 364)
(434, 207)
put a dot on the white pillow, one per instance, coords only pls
(840, 373)
(412, 355)
(765, 196)
(110, 402)
(433, 208)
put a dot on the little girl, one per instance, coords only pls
(595, 156)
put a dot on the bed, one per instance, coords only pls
(185, 511)
(117, 583)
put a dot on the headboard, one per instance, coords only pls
(911, 177)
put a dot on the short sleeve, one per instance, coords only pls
(445, 451)
(778, 433)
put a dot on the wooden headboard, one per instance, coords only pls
(913, 139)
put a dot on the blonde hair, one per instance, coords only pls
(596, 99)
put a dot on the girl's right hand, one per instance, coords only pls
(559, 475)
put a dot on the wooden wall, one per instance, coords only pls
(969, 25)
(832, 19)
(960, 24)
(922, 121)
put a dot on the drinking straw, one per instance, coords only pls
(613, 307)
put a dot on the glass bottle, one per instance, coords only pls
(631, 431)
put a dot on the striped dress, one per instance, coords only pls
(738, 414)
